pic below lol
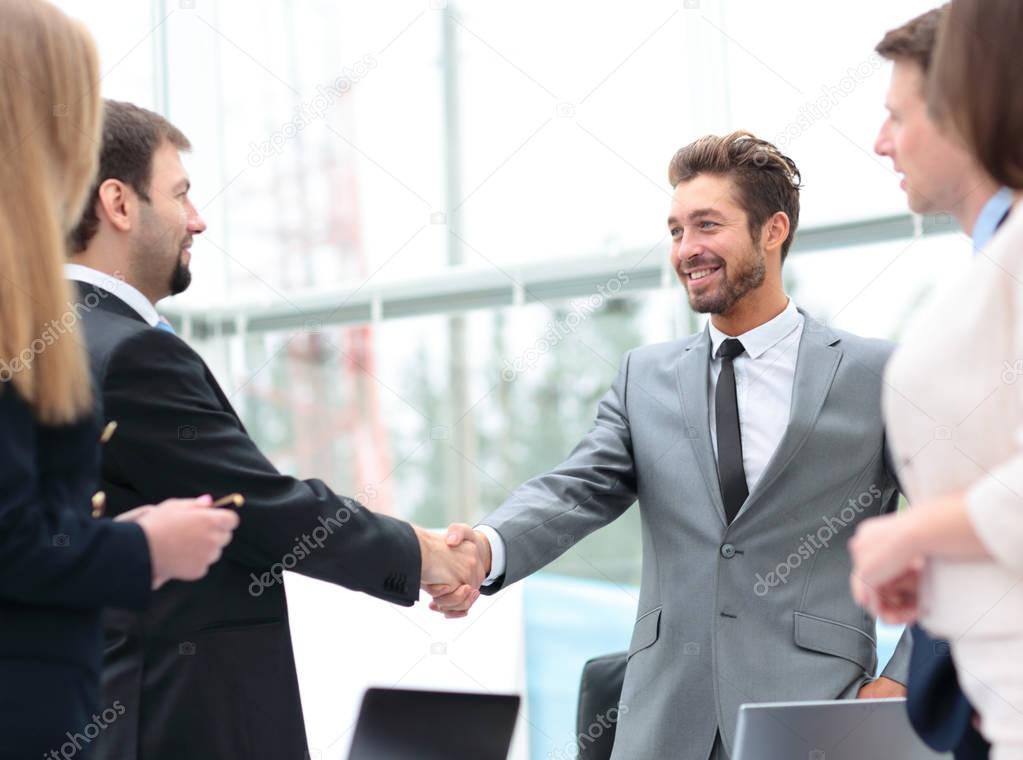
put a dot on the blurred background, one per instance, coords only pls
(434, 229)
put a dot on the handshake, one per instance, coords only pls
(454, 567)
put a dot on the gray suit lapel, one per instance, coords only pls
(691, 374)
(816, 366)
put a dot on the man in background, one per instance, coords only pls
(939, 176)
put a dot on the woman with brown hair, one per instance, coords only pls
(954, 406)
(58, 565)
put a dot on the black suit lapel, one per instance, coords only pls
(94, 297)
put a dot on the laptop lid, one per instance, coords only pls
(833, 730)
(400, 724)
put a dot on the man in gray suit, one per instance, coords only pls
(754, 449)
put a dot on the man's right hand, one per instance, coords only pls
(453, 599)
(185, 537)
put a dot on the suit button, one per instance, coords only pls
(727, 551)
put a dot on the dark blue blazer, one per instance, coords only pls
(58, 568)
(938, 709)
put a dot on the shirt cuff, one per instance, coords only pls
(497, 553)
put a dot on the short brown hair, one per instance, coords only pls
(131, 135)
(973, 88)
(767, 180)
(913, 41)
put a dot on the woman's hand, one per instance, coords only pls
(887, 563)
(896, 602)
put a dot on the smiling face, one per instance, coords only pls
(167, 223)
(712, 251)
(938, 174)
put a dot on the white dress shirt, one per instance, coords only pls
(764, 376)
(127, 293)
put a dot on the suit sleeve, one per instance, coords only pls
(547, 515)
(177, 438)
(54, 553)
(898, 666)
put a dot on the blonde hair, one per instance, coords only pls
(49, 143)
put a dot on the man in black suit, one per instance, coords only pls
(208, 671)
(940, 177)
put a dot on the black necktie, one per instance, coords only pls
(731, 473)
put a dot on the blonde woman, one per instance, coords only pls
(58, 565)
(954, 407)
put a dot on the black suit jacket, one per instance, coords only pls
(208, 671)
(58, 568)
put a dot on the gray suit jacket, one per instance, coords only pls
(755, 611)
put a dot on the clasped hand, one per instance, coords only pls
(454, 567)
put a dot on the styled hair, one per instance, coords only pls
(50, 109)
(973, 89)
(766, 180)
(131, 135)
(913, 41)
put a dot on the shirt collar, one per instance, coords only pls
(119, 288)
(762, 338)
(991, 217)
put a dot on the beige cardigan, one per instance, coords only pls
(953, 405)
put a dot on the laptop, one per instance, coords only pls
(400, 724)
(834, 730)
